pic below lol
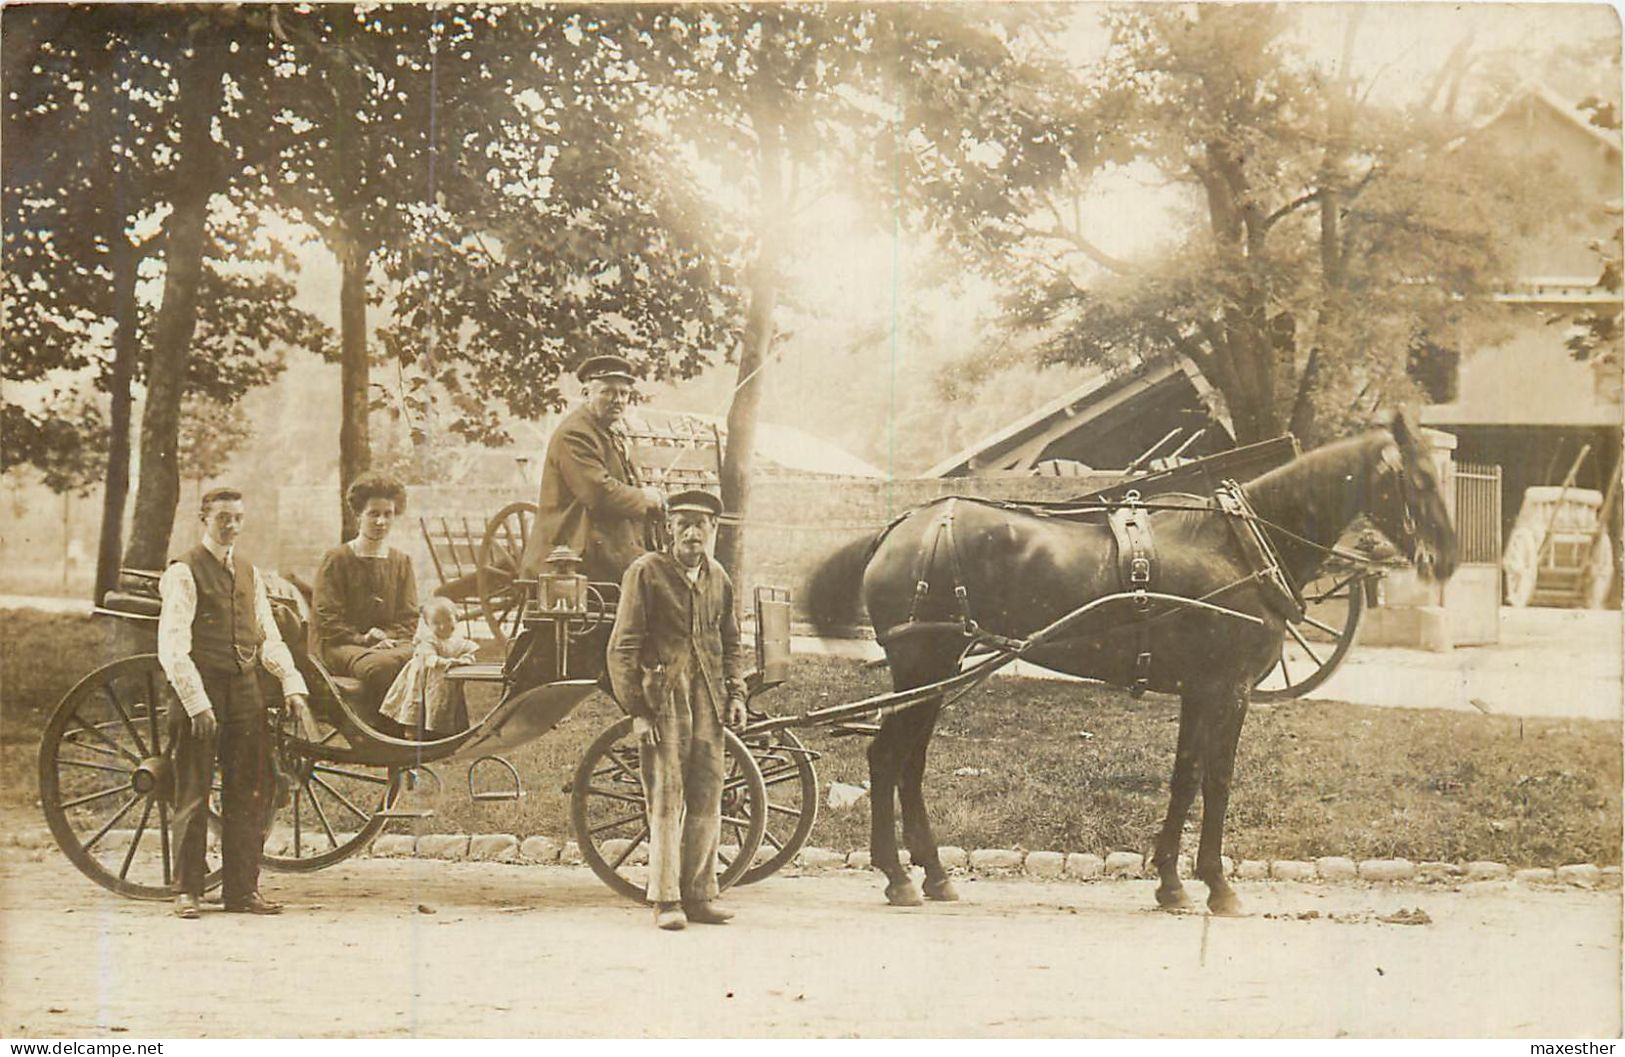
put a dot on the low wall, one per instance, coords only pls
(794, 521)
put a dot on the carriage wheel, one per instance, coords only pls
(607, 812)
(107, 783)
(324, 811)
(501, 558)
(1312, 648)
(792, 801)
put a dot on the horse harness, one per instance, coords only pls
(1129, 519)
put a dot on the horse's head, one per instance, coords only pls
(1407, 503)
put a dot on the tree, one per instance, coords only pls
(94, 127)
(211, 433)
(1334, 236)
(782, 103)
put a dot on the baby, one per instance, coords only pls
(422, 698)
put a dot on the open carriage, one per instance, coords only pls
(107, 786)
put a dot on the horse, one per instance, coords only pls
(1008, 570)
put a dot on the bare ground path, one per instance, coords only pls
(529, 951)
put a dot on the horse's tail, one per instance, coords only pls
(832, 591)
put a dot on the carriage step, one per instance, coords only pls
(503, 794)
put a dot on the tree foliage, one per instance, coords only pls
(1329, 236)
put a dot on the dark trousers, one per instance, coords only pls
(242, 748)
(375, 666)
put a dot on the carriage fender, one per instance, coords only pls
(529, 714)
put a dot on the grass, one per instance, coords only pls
(1072, 767)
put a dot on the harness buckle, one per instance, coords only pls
(1140, 571)
(1142, 674)
(921, 589)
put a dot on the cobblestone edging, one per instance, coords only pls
(1040, 865)
(987, 862)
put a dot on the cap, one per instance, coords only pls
(605, 367)
(696, 499)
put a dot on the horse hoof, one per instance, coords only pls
(1224, 904)
(903, 894)
(942, 891)
(1173, 898)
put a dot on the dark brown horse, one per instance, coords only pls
(1021, 570)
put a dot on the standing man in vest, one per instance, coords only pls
(591, 500)
(214, 630)
(678, 669)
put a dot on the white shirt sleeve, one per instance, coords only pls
(179, 594)
(273, 651)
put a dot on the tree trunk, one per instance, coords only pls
(197, 176)
(355, 447)
(757, 344)
(126, 347)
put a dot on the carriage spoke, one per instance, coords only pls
(620, 765)
(125, 810)
(1303, 642)
(1318, 626)
(791, 811)
(97, 749)
(135, 841)
(124, 717)
(163, 841)
(736, 821)
(340, 797)
(623, 820)
(77, 801)
(87, 765)
(1286, 673)
(626, 853)
(625, 798)
(321, 816)
(298, 843)
(96, 730)
(152, 717)
(767, 835)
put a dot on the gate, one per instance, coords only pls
(1473, 595)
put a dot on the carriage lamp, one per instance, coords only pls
(561, 588)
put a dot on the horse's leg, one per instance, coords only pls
(1182, 791)
(886, 754)
(1221, 732)
(903, 736)
(922, 846)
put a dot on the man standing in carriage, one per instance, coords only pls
(214, 631)
(591, 499)
(678, 669)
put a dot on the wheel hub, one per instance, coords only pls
(154, 776)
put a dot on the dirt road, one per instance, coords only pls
(389, 948)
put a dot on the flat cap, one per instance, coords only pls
(605, 367)
(695, 499)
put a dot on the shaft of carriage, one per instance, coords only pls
(1005, 652)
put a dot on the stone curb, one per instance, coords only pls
(992, 862)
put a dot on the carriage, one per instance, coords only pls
(106, 779)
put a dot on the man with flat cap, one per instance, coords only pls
(591, 500)
(678, 669)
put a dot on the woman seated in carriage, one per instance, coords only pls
(366, 607)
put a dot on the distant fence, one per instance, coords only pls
(1478, 513)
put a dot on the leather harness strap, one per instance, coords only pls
(1258, 552)
(939, 538)
(1131, 529)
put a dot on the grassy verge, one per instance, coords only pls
(1071, 767)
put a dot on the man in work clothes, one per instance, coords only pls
(591, 500)
(214, 630)
(676, 662)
